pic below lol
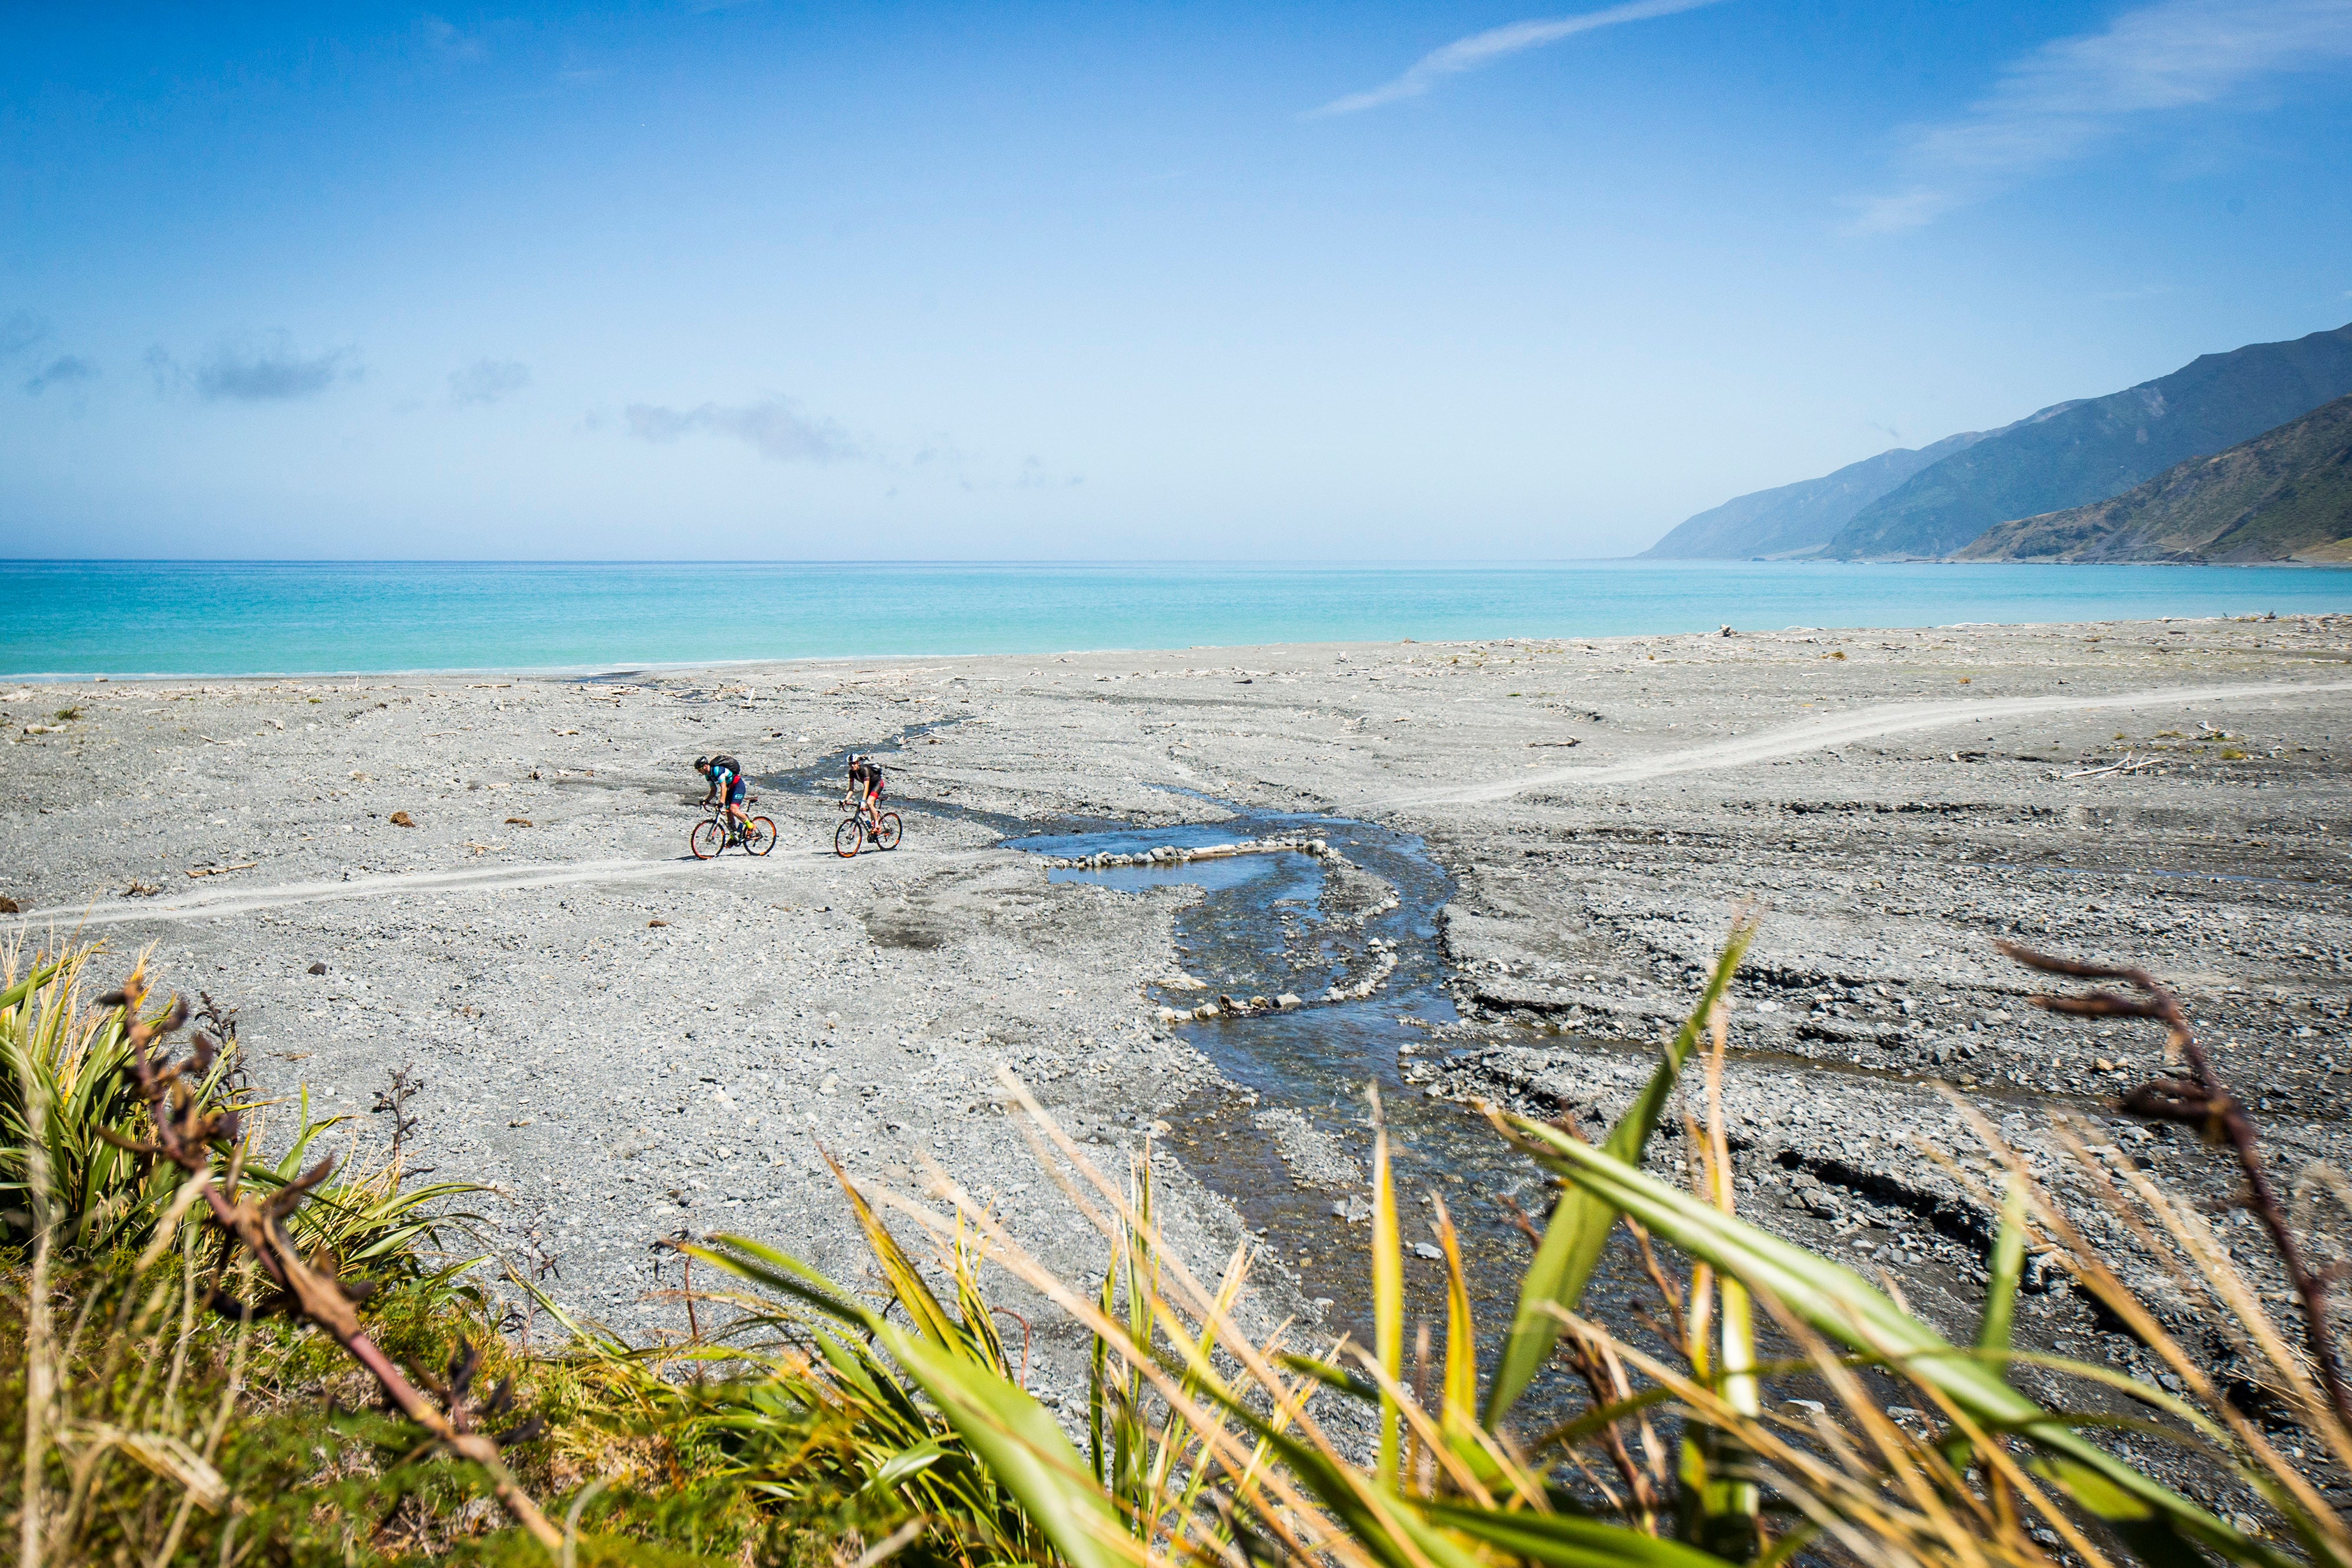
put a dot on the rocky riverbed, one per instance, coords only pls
(482, 882)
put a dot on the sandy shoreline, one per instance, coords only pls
(633, 1043)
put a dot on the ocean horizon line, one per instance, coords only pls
(616, 669)
(1451, 563)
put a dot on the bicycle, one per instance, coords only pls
(852, 836)
(714, 833)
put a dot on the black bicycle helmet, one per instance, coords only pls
(701, 764)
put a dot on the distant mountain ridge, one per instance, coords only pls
(1932, 501)
(2088, 451)
(1790, 519)
(2286, 495)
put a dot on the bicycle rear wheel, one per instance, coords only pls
(849, 838)
(708, 839)
(759, 836)
(886, 830)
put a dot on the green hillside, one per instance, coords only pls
(1794, 519)
(2284, 495)
(2081, 453)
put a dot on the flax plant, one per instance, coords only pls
(64, 1070)
(1209, 1441)
(1211, 1432)
(62, 1090)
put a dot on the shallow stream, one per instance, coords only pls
(1289, 922)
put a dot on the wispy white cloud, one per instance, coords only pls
(64, 370)
(2075, 97)
(20, 330)
(776, 429)
(1484, 49)
(263, 367)
(487, 381)
(450, 40)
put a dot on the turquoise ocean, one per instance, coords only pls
(70, 619)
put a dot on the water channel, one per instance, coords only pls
(1267, 924)
(1290, 922)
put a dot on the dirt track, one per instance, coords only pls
(1871, 724)
(244, 899)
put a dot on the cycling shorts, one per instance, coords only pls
(736, 790)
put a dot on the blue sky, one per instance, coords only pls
(1465, 280)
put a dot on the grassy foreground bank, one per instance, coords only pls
(209, 1356)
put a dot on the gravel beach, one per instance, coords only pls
(481, 881)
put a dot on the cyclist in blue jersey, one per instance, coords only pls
(725, 776)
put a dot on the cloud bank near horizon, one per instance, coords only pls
(21, 330)
(263, 368)
(775, 428)
(64, 370)
(487, 381)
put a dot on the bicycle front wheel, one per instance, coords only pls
(886, 830)
(706, 840)
(759, 836)
(849, 838)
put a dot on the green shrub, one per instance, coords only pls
(819, 1427)
(1214, 1452)
(70, 1056)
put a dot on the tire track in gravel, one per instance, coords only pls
(1809, 735)
(471, 879)
(1839, 729)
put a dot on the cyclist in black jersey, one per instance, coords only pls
(865, 787)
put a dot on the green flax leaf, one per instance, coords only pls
(1022, 1446)
(1844, 1307)
(1580, 1223)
